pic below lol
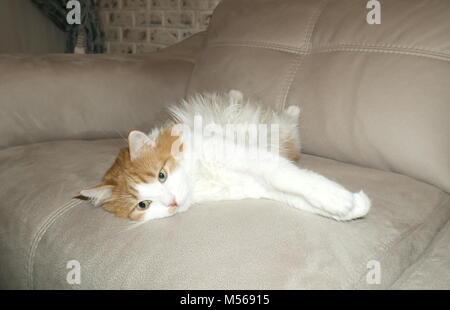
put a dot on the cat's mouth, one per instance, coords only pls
(173, 205)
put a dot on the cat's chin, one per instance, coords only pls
(157, 213)
(151, 217)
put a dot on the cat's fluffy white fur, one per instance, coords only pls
(204, 174)
(205, 177)
(232, 108)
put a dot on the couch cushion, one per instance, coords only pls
(373, 95)
(234, 245)
(37, 182)
(51, 97)
(432, 269)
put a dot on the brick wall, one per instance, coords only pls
(139, 26)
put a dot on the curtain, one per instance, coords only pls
(88, 30)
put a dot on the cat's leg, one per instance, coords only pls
(284, 176)
(297, 202)
(302, 204)
(318, 191)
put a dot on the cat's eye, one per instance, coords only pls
(144, 204)
(162, 176)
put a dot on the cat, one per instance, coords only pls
(164, 172)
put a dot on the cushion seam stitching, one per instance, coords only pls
(198, 58)
(289, 79)
(422, 255)
(343, 47)
(304, 47)
(38, 236)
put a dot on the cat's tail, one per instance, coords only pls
(289, 123)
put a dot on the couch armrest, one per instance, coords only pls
(51, 97)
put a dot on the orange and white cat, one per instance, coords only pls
(165, 172)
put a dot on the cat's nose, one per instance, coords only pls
(173, 203)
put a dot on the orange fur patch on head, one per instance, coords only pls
(126, 173)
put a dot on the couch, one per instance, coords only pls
(375, 102)
(24, 29)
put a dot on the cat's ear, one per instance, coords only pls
(136, 140)
(97, 194)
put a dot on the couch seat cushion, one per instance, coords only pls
(248, 244)
(432, 269)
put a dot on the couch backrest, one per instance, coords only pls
(376, 95)
(46, 97)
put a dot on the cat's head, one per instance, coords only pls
(146, 180)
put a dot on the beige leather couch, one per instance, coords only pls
(375, 115)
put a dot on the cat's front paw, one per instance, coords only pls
(361, 206)
(334, 200)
